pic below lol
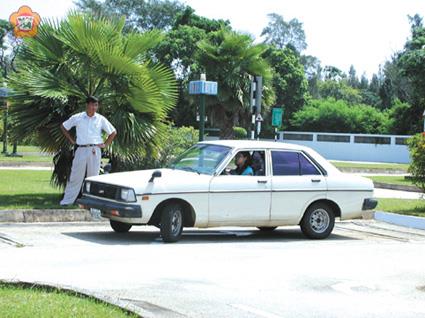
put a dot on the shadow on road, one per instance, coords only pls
(192, 236)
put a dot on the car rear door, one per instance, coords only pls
(296, 181)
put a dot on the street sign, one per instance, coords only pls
(4, 92)
(259, 118)
(277, 113)
(202, 88)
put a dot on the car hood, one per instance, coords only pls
(171, 180)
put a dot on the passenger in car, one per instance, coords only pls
(243, 164)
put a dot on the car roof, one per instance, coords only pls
(255, 144)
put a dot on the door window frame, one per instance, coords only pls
(300, 153)
(232, 156)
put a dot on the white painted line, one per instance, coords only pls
(402, 220)
(255, 311)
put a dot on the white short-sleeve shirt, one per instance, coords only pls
(89, 129)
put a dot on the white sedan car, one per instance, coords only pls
(289, 185)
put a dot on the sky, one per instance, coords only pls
(363, 33)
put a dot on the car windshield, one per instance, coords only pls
(201, 158)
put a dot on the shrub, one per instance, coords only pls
(239, 132)
(417, 153)
(332, 115)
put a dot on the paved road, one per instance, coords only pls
(365, 269)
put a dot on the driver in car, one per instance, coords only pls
(243, 164)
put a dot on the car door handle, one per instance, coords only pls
(262, 181)
(315, 180)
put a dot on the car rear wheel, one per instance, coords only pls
(120, 227)
(267, 228)
(171, 223)
(318, 221)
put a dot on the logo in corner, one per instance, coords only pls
(25, 22)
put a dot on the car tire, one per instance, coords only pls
(120, 227)
(267, 228)
(318, 221)
(171, 223)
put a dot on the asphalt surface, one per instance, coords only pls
(364, 269)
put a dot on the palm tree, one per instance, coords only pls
(79, 56)
(230, 58)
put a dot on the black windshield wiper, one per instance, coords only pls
(189, 169)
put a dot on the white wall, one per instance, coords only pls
(352, 150)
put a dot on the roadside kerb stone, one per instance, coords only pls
(46, 215)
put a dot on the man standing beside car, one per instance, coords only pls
(89, 126)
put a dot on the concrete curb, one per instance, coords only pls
(25, 164)
(414, 222)
(383, 185)
(84, 293)
(48, 215)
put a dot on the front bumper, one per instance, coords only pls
(369, 204)
(112, 209)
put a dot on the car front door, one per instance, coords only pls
(296, 181)
(240, 199)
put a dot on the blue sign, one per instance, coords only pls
(203, 88)
(4, 92)
(277, 117)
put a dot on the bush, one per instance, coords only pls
(330, 115)
(417, 153)
(239, 132)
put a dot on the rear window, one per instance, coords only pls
(290, 163)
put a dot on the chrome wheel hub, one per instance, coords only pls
(176, 222)
(319, 220)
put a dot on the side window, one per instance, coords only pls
(285, 163)
(247, 163)
(307, 167)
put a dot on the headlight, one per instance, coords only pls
(128, 195)
(87, 186)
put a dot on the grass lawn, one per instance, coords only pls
(22, 302)
(28, 189)
(383, 166)
(23, 150)
(402, 206)
(392, 180)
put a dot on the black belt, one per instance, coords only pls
(92, 145)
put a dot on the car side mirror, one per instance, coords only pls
(155, 174)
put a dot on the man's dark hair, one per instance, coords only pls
(92, 99)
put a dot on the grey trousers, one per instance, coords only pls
(85, 159)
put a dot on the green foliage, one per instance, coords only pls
(282, 34)
(174, 141)
(331, 115)
(339, 90)
(417, 153)
(230, 58)
(81, 56)
(239, 133)
(289, 82)
(140, 15)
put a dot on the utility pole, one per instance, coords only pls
(202, 88)
(256, 93)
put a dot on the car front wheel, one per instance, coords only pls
(120, 227)
(318, 221)
(171, 223)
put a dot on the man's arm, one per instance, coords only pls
(108, 140)
(67, 135)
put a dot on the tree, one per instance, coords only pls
(411, 62)
(280, 33)
(85, 55)
(141, 15)
(230, 59)
(353, 81)
(178, 49)
(289, 82)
